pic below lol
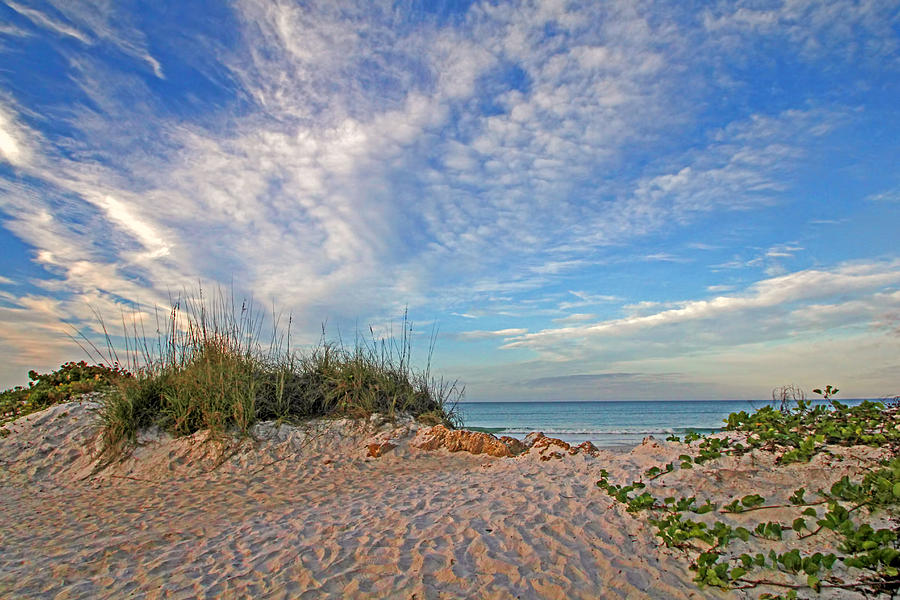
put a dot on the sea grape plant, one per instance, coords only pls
(796, 435)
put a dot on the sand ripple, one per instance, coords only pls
(301, 520)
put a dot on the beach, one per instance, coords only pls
(350, 509)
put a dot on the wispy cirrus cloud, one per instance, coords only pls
(44, 20)
(576, 318)
(500, 333)
(351, 160)
(90, 23)
(892, 195)
(295, 165)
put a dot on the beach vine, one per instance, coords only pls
(851, 510)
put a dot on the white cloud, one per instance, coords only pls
(480, 335)
(558, 266)
(765, 310)
(322, 191)
(817, 29)
(576, 318)
(41, 19)
(32, 337)
(91, 23)
(14, 145)
(586, 299)
(124, 216)
(703, 246)
(665, 257)
(892, 195)
(10, 30)
(464, 315)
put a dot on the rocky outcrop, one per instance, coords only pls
(377, 450)
(515, 446)
(548, 447)
(585, 448)
(474, 442)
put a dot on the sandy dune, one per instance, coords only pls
(303, 513)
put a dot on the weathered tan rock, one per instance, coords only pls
(377, 450)
(532, 437)
(542, 441)
(460, 440)
(515, 446)
(585, 448)
(477, 442)
(548, 447)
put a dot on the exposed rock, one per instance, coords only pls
(585, 448)
(474, 442)
(543, 442)
(548, 447)
(532, 437)
(515, 446)
(377, 450)
(477, 442)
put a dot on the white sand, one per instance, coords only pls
(302, 513)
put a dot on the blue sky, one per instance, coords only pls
(616, 200)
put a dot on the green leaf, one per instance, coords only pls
(705, 508)
(752, 500)
(813, 582)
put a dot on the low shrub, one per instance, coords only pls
(70, 380)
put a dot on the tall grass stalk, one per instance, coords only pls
(207, 369)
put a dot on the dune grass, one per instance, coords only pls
(206, 369)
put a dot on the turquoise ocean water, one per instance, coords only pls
(610, 424)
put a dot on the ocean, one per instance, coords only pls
(605, 424)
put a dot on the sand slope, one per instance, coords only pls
(302, 513)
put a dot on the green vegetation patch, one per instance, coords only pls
(851, 511)
(71, 380)
(209, 372)
(206, 370)
(218, 387)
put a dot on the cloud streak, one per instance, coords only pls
(722, 312)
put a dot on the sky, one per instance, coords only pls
(582, 200)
